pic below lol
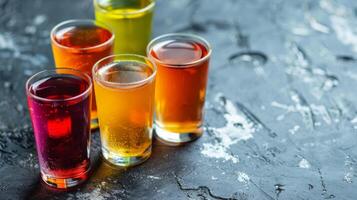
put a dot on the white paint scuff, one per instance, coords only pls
(6, 42)
(300, 30)
(232, 133)
(304, 164)
(318, 110)
(317, 25)
(218, 151)
(349, 170)
(348, 177)
(294, 129)
(237, 128)
(39, 19)
(354, 120)
(154, 177)
(344, 32)
(322, 111)
(344, 29)
(243, 177)
(331, 7)
(95, 194)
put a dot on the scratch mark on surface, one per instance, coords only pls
(242, 39)
(268, 196)
(323, 185)
(301, 106)
(300, 66)
(251, 116)
(201, 191)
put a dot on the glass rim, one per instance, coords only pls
(141, 10)
(82, 21)
(193, 37)
(120, 85)
(54, 72)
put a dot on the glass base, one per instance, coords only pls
(177, 138)
(94, 124)
(63, 183)
(125, 161)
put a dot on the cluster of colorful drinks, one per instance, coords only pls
(108, 82)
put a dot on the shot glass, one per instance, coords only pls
(125, 93)
(59, 103)
(182, 69)
(79, 44)
(131, 21)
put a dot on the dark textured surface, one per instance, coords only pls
(281, 112)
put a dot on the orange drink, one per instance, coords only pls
(182, 62)
(79, 44)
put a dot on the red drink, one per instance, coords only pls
(79, 44)
(59, 103)
(182, 63)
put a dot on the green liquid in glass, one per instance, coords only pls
(130, 20)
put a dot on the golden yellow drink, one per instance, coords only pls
(131, 21)
(125, 90)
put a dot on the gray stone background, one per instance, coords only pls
(281, 110)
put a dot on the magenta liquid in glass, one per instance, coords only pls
(59, 103)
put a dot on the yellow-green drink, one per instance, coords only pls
(130, 20)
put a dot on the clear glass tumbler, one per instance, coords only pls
(125, 90)
(182, 71)
(79, 44)
(59, 103)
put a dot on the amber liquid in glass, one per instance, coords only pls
(180, 85)
(79, 49)
(125, 112)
